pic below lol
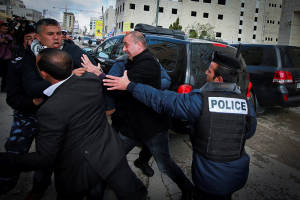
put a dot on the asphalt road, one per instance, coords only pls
(274, 168)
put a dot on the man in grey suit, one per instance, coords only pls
(75, 138)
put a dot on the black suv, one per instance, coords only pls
(274, 73)
(185, 60)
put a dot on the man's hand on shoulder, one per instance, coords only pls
(79, 71)
(116, 83)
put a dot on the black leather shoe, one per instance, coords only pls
(146, 169)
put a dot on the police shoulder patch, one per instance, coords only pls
(227, 105)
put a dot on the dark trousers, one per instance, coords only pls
(122, 181)
(159, 148)
(207, 196)
(23, 131)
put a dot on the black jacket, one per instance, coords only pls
(75, 137)
(133, 118)
(16, 97)
(33, 83)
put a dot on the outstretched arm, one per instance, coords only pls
(182, 106)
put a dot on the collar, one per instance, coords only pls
(224, 87)
(50, 90)
(139, 55)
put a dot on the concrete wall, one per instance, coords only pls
(290, 23)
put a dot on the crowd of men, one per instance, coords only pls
(61, 98)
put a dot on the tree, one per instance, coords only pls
(175, 25)
(205, 31)
(193, 33)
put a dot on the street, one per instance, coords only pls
(274, 152)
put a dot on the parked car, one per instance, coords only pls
(85, 40)
(185, 60)
(274, 73)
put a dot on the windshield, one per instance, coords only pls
(290, 56)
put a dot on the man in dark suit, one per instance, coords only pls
(75, 138)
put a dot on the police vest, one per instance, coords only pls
(219, 134)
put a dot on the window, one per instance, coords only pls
(239, 39)
(174, 11)
(146, 8)
(205, 15)
(161, 9)
(278, 22)
(200, 60)
(254, 28)
(132, 6)
(218, 34)
(242, 13)
(242, 5)
(206, 1)
(253, 37)
(255, 19)
(123, 6)
(256, 10)
(265, 56)
(267, 21)
(167, 53)
(122, 26)
(194, 13)
(131, 25)
(222, 2)
(105, 49)
(241, 22)
(220, 17)
(240, 31)
(266, 38)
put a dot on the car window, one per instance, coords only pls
(262, 55)
(166, 52)
(119, 51)
(105, 49)
(200, 60)
(290, 57)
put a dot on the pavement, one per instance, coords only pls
(271, 176)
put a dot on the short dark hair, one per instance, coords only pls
(45, 22)
(55, 62)
(138, 37)
(228, 66)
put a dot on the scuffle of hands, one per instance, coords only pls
(116, 83)
(87, 66)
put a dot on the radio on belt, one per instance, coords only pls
(228, 105)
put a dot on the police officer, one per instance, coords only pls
(222, 120)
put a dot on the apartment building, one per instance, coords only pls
(290, 23)
(109, 20)
(247, 21)
(68, 21)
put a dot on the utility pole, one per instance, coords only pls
(157, 9)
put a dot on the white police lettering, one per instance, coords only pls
(227, 105)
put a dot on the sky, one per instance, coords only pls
(82, 9)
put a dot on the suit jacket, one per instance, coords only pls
(75, 137)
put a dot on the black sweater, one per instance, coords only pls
(133, 118)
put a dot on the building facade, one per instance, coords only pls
(290, 23)
(109, 20)
(8, 8)
(246, 21)
(93, 27)
(68, 22)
